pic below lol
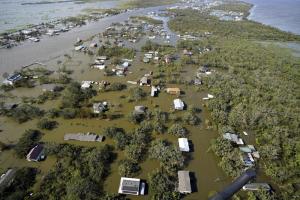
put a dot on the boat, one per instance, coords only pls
(257, 186)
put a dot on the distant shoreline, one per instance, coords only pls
(261, 18)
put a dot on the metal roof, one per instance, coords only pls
(184, 185)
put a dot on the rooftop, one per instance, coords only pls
(184, 185)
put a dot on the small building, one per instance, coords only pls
(11, 80)
(154, 91)
(145, 81)
(184, 185)
(174, 91)
(139, 109)
(183, 144)
(36, 153)
(86, 84)
(178, 104)
(100, 107)
(197, 81)
(233, 138)
(129, 186)
(146, 60)
(84, 137)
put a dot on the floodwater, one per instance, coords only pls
(202, 163)
(52, 47)
(19, 13)
(282, 14)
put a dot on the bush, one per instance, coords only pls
(134, 152)
(116, 87)
(128, 168)
(47, 124)
(178, 130)
(191, 118)
(137, 94)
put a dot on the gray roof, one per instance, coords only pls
(7, 178)
(88, 137)
(130, 186)
(184, 185)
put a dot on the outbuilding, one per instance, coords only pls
(183, 144)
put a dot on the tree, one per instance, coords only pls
(177, 130)
(28, 140)
(162, 186)
(134, 152)
(137, 94)
(191, 118)
(128, 168)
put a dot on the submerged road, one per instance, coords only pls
(51, 47)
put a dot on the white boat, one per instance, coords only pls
(257, 186)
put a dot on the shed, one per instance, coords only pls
(178, 104)
(183, 144)
(154, 91)
(184, 185)
(129, 186)
(174, 91)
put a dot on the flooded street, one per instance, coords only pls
(51, 47)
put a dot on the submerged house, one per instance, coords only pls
(178, 104)
(7, 178)
(36, 153)
(145, 81)
(139, 110)
(11, 80)
(184, 182)
(88, 137)
(131, 186)
(183, 144)
(233, 138)
(100, 107)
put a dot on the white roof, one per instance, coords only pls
(183, 144)
(129, 186)
(178, 104)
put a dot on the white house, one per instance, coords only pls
(178, 104)
(129, 186)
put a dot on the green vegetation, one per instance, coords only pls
(149, 20)
(162, 186)
(21, 184)
(146, 3)
(195, 22)
(178, 130)
(169, 156)
(28, 140)
(78, 174)
(46, 124)
(24, 112)
(234, 7)
(116, 51)
(128, 168)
